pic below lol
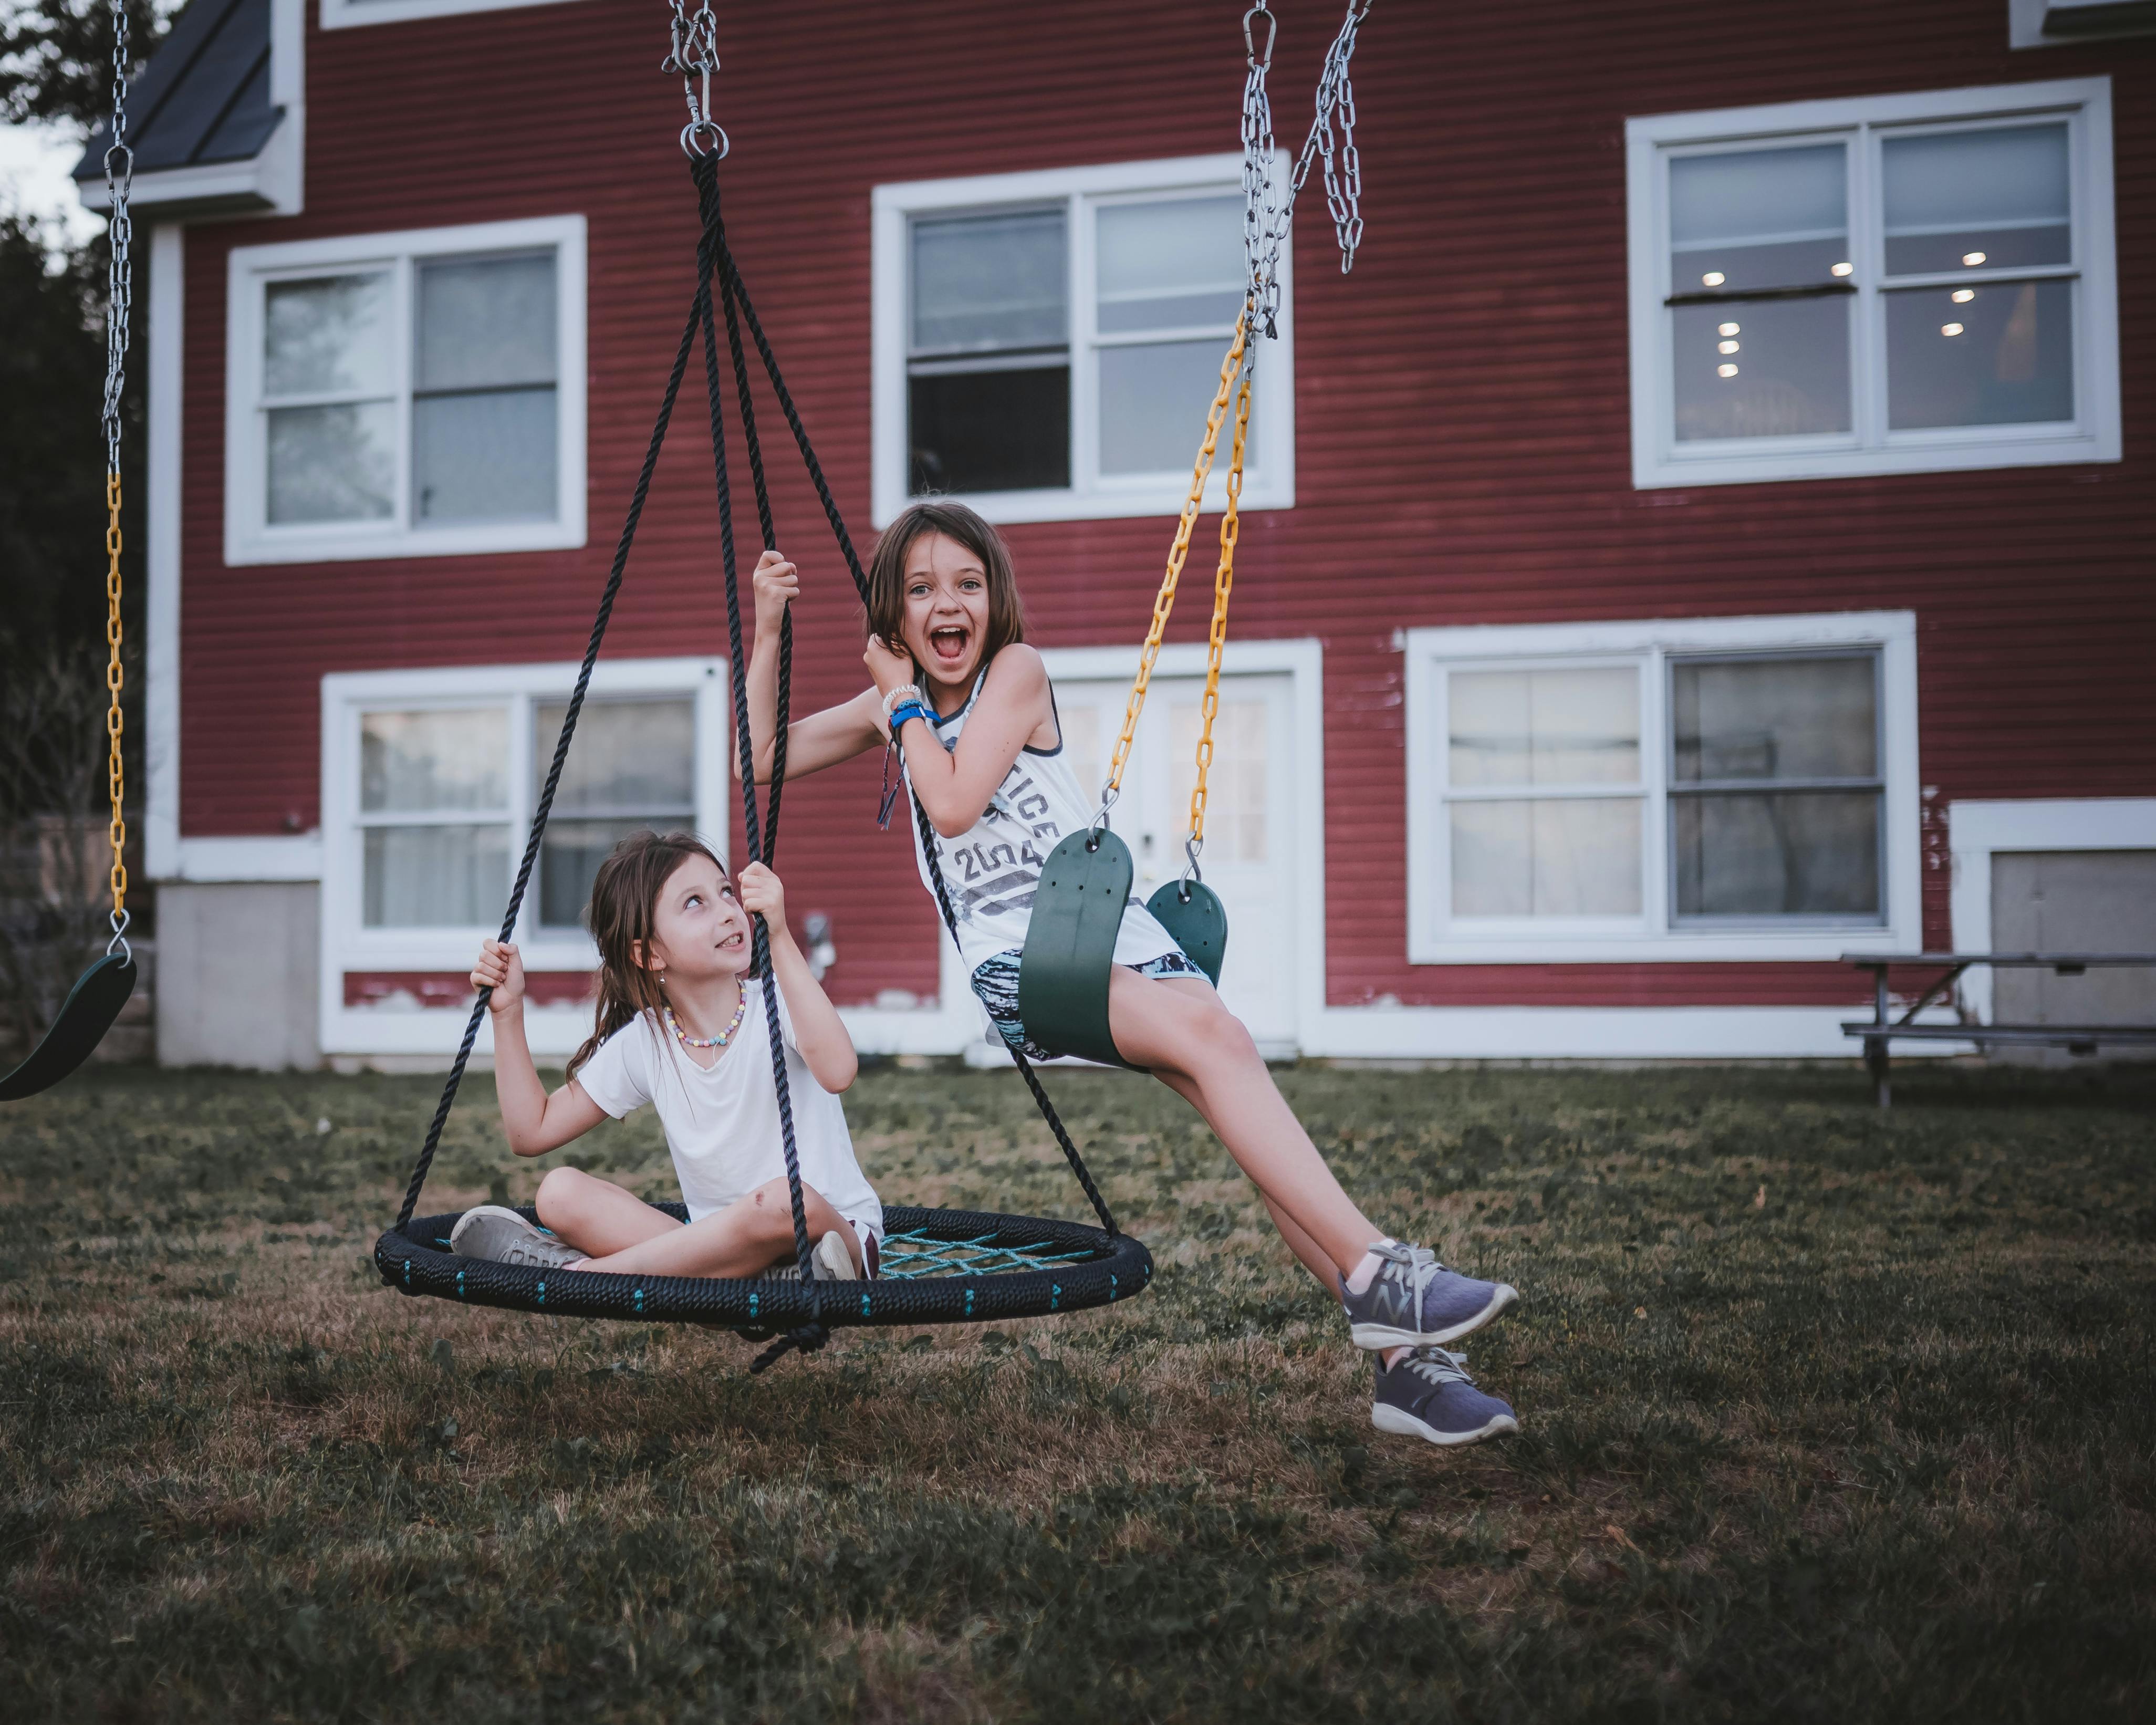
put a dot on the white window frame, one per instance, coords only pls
(348, 944)
(1433, 937)
(1089, 497)
(248, 538)
(1658, 460)
(349, 14)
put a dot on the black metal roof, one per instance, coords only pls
(204, 98)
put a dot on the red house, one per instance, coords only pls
(1708, 532)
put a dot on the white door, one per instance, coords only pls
(1249, 857)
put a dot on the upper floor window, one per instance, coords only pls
(1736, 788)
(1047, 344)
(1889, 284)
(407, 395)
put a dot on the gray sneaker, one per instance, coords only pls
(831, 1261)
(1415, 1302)
(1430, 1395)
(496, 1232)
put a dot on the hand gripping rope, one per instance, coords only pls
(694, 58)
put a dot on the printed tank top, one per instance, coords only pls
(993, 868)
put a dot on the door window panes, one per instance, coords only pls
(988, 365)
(1235, 813)
(430, 857)
(1774, 221)
(631, 768)
(1775, 788)
(1568, 736)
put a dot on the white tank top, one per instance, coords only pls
(993, 868)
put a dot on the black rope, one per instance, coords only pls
(704, 170)
(737, 290)
(560, 756)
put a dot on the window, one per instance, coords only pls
(343, 14)
(432, 775)
(1047, 344)
(407, 395)
(1736, 787)
(1891, 284)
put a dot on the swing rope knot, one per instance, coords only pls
(808, 1339)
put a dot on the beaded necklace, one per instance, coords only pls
(720, 1041)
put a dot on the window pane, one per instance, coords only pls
(328, 336)
(2003, 355)
(981, 283)
(434, 877)
(990, 431)
(484, 458)
(1153, 403)
(1569, 857)
(1792, 853)
(1544, 727)
(1747, 219)
(1970, 199)
(1774, 718)
(628, 756)
(1781, 370)
(486, 321)
(569, 859)
(337, 464)
(1235, 783)
(1169, 265)
(425, 761)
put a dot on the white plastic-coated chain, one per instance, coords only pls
(695, 56)
(1266, 212)
(119, 184)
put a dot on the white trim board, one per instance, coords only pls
(1978, 830)
(1647, 937)
(248, 538)
(166, 382)
(351, 14)
(1870, 446)
(1090, 497)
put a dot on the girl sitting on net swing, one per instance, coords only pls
(975, 722)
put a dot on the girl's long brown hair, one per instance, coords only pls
(887, 572)
(624, 904)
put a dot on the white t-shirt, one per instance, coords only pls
(722, 1124)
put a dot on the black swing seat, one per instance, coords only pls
(939, 1266)
(84, 1016)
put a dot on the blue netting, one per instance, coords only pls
(910, 1256)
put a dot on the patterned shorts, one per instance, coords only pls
(996, 982)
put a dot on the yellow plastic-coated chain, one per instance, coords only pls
(1164, 602)
(1224, 581)
(114, 678)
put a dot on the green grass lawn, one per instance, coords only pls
(1827, 1415)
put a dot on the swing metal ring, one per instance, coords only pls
(695, 129)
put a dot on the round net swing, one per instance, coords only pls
(938, 1267)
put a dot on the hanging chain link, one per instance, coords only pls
(119, 184)
(694, 57)
(1266, 214)
(1216, 639)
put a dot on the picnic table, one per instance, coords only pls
(1882, 1028)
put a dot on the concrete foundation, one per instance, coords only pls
(237, 971)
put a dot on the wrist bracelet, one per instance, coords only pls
(909, 710)
(905, 692)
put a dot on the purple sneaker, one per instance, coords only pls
(1415, 1302)
(1430, 1395)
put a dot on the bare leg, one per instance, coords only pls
(1178, 1026)
(595, 1216)
(746, 1238)
(1313, 1256)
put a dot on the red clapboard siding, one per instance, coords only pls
(1462, 400)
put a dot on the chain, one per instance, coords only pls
(1216, 639)
(1231, 368)
(119, 184)
(1266, 214)
(694, 57)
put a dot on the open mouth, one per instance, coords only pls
(731, 942)
(948, 642)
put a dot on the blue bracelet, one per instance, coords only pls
(909, 710)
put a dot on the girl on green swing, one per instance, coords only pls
(973, 717)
